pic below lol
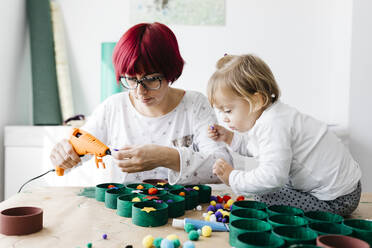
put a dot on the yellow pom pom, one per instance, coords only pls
(230, 202)
(147, 241)
(225, 213)
(172, 237)
(210, 212)
(206, 231)
(136, 199)
(220, 210)
(213, 203)
(196, 187)
(207, 218)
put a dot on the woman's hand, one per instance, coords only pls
(64, 156)
(222, 170)
(219, 133)
(138, 158)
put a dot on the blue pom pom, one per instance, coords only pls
(188, 244)
(219, 206)
(166, 243)
(218, 214)
(213, 198)
(211, 208)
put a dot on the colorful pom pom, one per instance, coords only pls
(104, 236)
(226, 198)
(240, 198)
(152, 191)
(166, 243)
(206, 231)
(147, 241)
(196, 188)
(193, 235)
(172, 237)
(136, 199)
(213, 203)
(140, 186)
(188, 244)
(189, 227)
(182, 193)
(157, 242)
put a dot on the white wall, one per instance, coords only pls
(361, 88)
(15, 71)
(306, 43)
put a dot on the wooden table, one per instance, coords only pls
(71, 220)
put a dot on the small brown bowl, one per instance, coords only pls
(154, 182)
(340, 241)
(21, 220)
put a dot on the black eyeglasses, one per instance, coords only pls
(149, 83)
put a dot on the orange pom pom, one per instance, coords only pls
(140, 187)
(152, 191)
(182, 193)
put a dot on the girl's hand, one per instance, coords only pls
(219, 133)
(63, 155)
(222, 170)
(138, 158)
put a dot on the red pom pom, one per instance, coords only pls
(111, 186)
(219, 199)
(152, 191)
(226, 198)
(240, 198)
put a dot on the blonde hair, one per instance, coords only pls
(244, 75)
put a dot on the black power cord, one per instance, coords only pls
(52, 170)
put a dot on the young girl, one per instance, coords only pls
(301, 162)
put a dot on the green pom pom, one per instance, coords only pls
(193, 235)
(157, 242)
(189, 227)
(176, 243)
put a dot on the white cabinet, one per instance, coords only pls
(27, 150)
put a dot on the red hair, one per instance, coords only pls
(148, 48)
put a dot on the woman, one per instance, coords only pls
(154, 130)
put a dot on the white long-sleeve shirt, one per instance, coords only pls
(117, 123)
(296, 150)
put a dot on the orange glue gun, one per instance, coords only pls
(85, 143)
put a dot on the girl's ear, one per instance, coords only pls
(259, 101)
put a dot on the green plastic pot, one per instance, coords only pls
(321, 216)
(324, 228)
(296, 234)
(124, 204)
(287, 220)
(246, 226)
(282, 209)
(362, 229)
(191, 197)
(102, 188)
(247, 213)
(205, 192)
(256, 240)
(249, 204)
(176, 208)
(159, 217)
(111, 196)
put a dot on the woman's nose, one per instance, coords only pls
(141, 90)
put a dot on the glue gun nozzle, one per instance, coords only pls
(108, 152)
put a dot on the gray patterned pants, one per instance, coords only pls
(343, 205)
